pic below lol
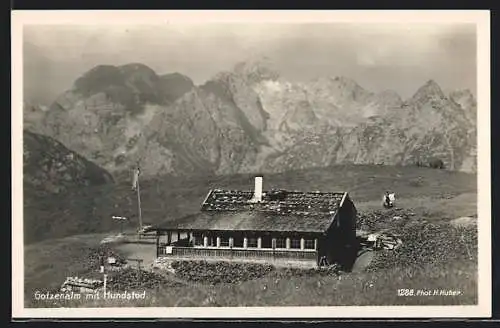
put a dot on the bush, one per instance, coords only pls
(219, 272)
(425, 243)
(436, 163)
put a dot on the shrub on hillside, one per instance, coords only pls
(425, 243)
(133, 279)
(436, 163)
(219, 272)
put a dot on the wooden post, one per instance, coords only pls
(245, 242)
(105, 284)
(157, 243)
(316, 243)
(231, 244)
(273, 245)
(205, 241)
(218, 241)
(287, 242)
(139, 205)
(259, 242)
(302, 243)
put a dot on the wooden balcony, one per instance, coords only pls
(226, 253)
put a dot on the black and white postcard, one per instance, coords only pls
(246, 164)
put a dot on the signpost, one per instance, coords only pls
(122, 219)
(104, 284)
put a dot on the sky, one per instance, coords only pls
(401, 57)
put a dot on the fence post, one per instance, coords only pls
(157, 244)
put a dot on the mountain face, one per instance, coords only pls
(427, 125)
(49, 166)
(251, 119)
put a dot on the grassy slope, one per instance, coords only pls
(89, 209)
(379, 288)
(434, 194)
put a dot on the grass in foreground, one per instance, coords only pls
(437, 258)
(378, 288)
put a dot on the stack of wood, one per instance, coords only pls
(385, 241)
(81, 284)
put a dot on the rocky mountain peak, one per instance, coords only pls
(257, 69)
(175, 85)
(137, 69)
(97, 78)
(430, 90)
(344, 89)
(250, 118)
(106, 76)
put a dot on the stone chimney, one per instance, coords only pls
(257, 195)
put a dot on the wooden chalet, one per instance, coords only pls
(277, 227)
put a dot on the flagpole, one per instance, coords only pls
(139, 204)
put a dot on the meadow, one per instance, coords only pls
(62, 231)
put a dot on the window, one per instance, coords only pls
(252, 242)
(224, 242)
(237, 241)
(295, 243)
(280, 243)
(309, 244)
(197, 239)
(267, 242)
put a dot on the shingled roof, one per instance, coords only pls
(282, 201)
(279, 210)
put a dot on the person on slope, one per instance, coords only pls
(388, 200)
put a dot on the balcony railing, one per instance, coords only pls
(292, 254)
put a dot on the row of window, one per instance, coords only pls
(253, 242)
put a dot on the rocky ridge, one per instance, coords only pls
(251, 119)
(48, 166)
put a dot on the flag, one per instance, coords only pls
(135, 178)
